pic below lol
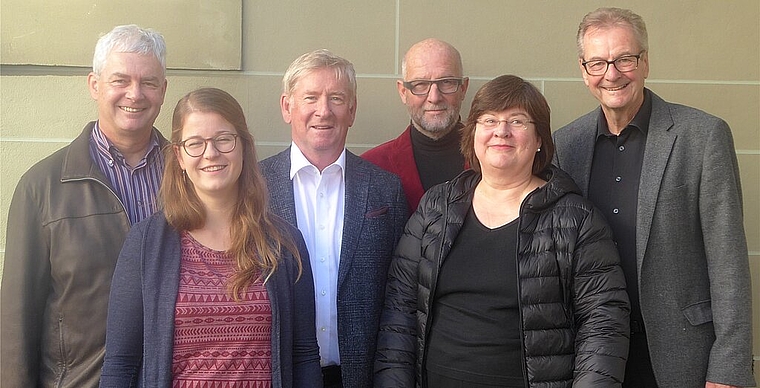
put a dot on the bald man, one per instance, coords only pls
(427, 152)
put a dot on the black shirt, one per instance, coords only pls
(475, 330)
(437, 160)
(614, 189)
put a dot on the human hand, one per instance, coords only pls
(716, 385)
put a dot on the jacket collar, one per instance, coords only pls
(558, 185)
(77, 163)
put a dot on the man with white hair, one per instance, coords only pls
(70, 214)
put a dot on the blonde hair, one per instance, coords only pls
(315, 60)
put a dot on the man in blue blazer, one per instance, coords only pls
(666, 178)
(350, 212)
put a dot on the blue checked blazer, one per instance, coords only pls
(375, 214)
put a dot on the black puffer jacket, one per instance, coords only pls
(573, 304)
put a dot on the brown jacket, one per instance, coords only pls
(65, 230)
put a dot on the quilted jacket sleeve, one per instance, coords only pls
(601, 307)
(396, 356)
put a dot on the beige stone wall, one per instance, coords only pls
(704, 54)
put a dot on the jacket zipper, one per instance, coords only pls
(433, 284)
(61, 349)
(519, 304)
(521, 217)
(89, 178)
(64, 362)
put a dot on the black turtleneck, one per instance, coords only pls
(437, 160)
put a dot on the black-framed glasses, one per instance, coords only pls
(196, 146)
(489, 122)
(623, 64)
(421, 87)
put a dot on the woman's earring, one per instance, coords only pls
(539, 150)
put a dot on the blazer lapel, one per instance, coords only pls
(582, 150)
(357, 192)
(659, 146)
(281, 188)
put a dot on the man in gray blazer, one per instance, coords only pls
(666, 177)
(350, 212)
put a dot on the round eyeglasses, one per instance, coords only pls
(623, 64)
(512, 124)
(196, 146)
(421, 87)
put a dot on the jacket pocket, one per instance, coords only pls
(377, 212)
(698, 313)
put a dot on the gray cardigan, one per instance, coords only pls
(691, 250)
(140, 328)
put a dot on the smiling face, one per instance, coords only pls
(129, 91)
(320, 110)
(619, 93)
(503, 150)
(433, 114)
(214, 174)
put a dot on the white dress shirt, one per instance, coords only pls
(320, 205)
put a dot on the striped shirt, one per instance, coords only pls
(137, 187)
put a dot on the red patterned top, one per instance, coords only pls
(219, 342)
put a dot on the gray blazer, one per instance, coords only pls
(691, 249)
(375, 215)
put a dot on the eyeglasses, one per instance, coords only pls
(196, 145)
(421, 87)
(623, 64)
(512, 124)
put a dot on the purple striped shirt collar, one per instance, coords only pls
(136, 187)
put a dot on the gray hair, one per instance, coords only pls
(315, 60)
(129, 39)
(613, 17)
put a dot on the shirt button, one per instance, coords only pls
(616, 211)
(618, 179)
(322, 329)
(110, 162)
(322, 259)
(621, 148)
(324, 292)
(321, 227)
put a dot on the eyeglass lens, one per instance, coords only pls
(445, 86)
(224, 143)
(622, 64)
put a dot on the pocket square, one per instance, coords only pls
(377, 212)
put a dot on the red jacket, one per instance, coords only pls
(396, 156)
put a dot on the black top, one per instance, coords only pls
(437, 160)
(614, 189)
(475, 331)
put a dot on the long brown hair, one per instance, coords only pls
(257, 242)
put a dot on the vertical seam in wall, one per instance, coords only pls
(398, 33)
